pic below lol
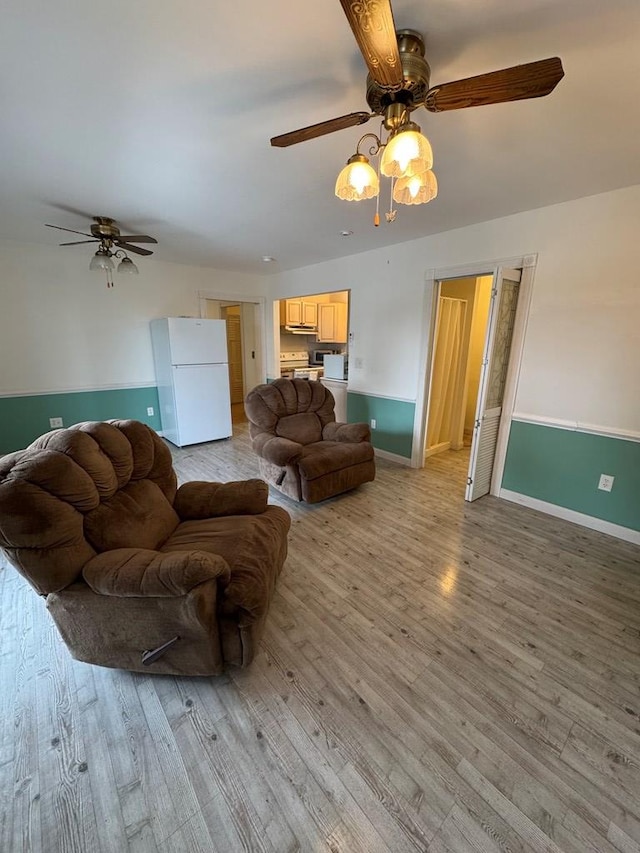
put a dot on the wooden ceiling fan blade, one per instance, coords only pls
(82, 214)
(128, 247)
(532, 80)
(71, 230)
(375, 31)
(78, 242)
(320, 129)
(138, 238)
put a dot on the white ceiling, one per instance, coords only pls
(159, 114)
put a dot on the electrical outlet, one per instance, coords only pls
(606, 482)
(55, 423)
(373, 423)
(150, 411)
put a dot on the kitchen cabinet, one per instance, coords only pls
(298, 312)
(332, 322)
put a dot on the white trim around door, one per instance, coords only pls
(236, 299)
(526, 263)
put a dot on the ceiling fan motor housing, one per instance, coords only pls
(104, 228)
(415, 72)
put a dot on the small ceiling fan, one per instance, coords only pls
(399, 76)
(112, 245)
(105, 231)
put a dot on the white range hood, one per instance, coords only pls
(301, 330)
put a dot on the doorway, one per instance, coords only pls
(231, 315)
(242, 329)
(475, 319)
(461, 323)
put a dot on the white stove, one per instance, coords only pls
(293, 360)
(295, 365)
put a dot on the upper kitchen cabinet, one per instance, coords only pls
(332, 322)
(298, 312)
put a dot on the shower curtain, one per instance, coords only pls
(446, 370)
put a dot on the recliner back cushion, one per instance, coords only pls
(304, 428)
(270, 403)
(56, 494)
(136, 516)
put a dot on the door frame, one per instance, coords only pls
(527, 263)
(240, 299)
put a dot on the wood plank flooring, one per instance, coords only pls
(435, 676)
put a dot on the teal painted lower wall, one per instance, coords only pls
(563, 467)
(394, 421)
(23, 419)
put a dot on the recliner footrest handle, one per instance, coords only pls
(151, 656)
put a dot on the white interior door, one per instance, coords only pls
(495, 361)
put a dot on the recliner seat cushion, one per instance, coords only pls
(252, 546)
(325, 457)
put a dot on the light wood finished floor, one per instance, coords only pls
(435, 676)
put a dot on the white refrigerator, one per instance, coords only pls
(192, 373)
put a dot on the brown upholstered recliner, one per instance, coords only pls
(93, 518)
(302, 450)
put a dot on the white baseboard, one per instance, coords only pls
(589, 521)
(393, 457)
(437, 448)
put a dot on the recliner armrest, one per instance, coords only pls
(353, 433)
(202, 499)
(279, 451)
(139, 572)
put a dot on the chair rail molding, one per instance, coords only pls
(578, 426)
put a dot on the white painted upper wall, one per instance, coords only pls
(62, 330)
(582, 348)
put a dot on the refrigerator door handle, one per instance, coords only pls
(198, 364)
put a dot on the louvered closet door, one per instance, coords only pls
(234, 347)
(495, 361)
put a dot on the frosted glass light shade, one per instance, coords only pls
(357, 180)
(416, 189)
(101, 261)
(127, 266)
(407, 151)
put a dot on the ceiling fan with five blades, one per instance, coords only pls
(398, 83)
(112, 245)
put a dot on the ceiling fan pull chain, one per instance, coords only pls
(391, 215)
(376, 218)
